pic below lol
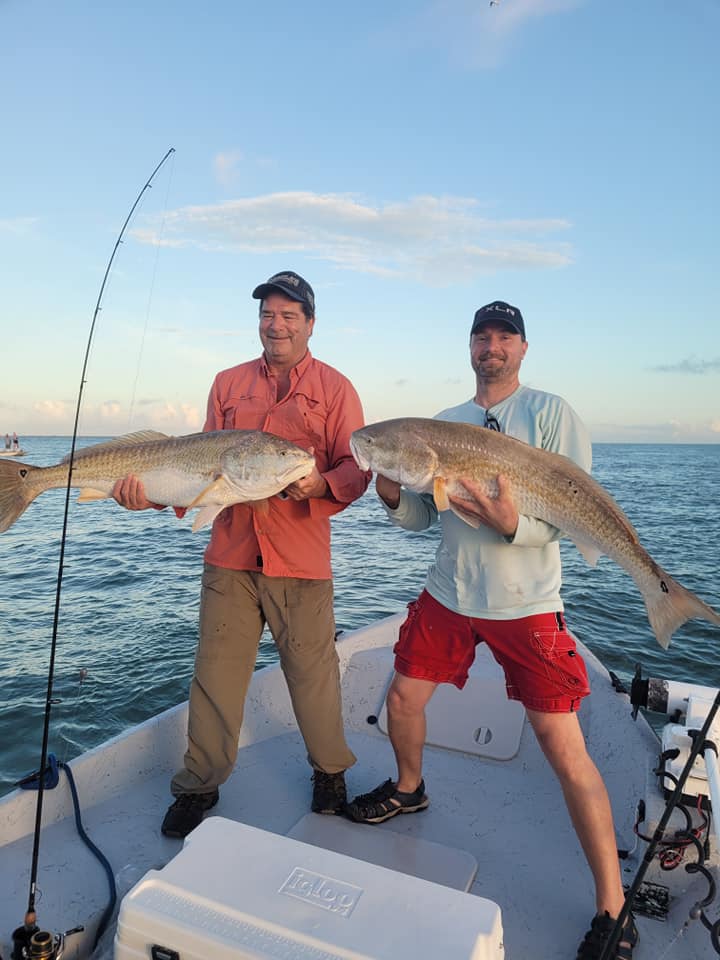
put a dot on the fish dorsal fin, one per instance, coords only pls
(140, 436)
(589, 551)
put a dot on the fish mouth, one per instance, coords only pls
(357, 454)
(295, 473)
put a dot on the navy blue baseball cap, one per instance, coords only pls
(289, 283)
(499, 312)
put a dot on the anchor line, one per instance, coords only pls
(30, 917)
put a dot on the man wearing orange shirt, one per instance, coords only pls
(272, 568)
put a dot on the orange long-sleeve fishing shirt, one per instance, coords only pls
(321, 410)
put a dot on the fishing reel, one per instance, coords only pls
(29, 942)
(32, 943)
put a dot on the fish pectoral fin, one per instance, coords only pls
(464, 515)
(218, 486)
(440, 494)
(89, 495)
(206, 515)
(208, 512)
(589, 551)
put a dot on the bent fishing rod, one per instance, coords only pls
(28, 939)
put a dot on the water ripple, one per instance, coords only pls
(128, 619)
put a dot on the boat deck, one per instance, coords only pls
(500, 825)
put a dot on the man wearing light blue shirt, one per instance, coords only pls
(500, 584)
(474, 573)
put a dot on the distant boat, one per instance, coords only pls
(12, 453)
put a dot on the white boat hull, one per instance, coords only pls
(506, 814)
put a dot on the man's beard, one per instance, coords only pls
(494, 372)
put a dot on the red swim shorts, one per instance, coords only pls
(543, 669)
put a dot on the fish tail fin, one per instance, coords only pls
(669, 605)
(15, 496)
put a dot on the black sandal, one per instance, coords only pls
(600, 932)
(386, 801)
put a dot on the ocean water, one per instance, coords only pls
(129, 601)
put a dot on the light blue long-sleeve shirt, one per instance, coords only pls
(479, 573)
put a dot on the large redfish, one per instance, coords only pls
(431, 456)
(207, 470)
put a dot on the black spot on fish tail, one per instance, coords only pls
(670, 607)
(14, 497)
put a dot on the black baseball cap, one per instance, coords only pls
(289, 283)
(500, 312)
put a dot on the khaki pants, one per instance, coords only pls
(235, 605)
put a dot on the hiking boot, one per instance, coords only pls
(329, 794)
(600, 932)
(386, 801)
(187, 812)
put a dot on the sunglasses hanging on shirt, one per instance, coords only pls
(492, 422)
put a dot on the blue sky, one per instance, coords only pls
(413, 160)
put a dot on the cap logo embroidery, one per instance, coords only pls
(286, 278)
(499, 308)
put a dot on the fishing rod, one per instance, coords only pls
(700, 744)
(28, 939)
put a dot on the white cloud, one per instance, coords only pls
(436, 240)
(52, 409)
(111, 418)
(109, 410)
(669, 431)
(171, 416)
(163, 415)
(690, 365)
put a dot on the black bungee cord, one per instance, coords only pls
(700, 744)
(28, 939)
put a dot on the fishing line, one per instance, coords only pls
(158, 247)
(23, 935)
(73, 704)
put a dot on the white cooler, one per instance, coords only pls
(238, 893)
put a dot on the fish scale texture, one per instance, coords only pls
(544, 485)
(214, 469)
